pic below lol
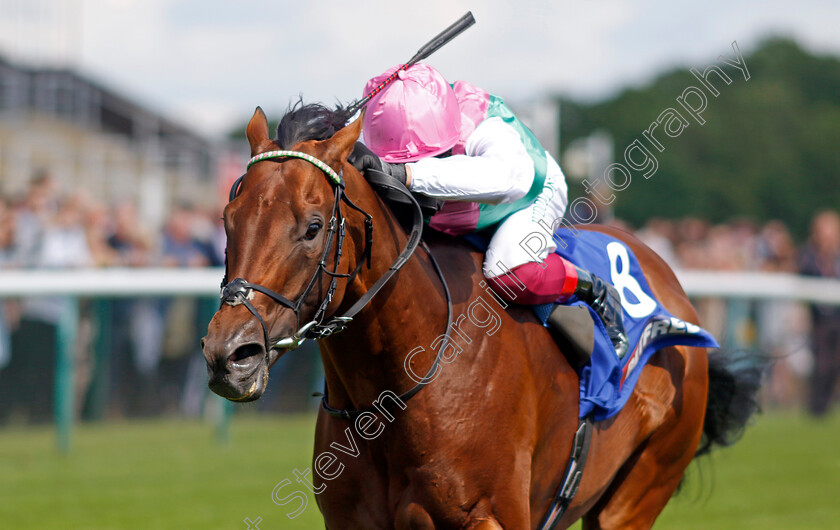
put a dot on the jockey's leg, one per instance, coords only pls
(558, 280)
(522, 275)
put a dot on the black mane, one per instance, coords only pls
(312, 121)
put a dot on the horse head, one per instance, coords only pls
(286, 250)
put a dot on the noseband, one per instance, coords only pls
(239, 291)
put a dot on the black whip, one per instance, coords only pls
(429, 48)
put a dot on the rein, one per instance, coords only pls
(239, 291)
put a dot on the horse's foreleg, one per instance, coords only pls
(643, 493)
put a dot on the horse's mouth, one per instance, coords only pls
(255, 391)
(245, 374)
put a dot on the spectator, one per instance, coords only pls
(658, 234)
(691, 235)
(181, 248)
(60, 241)
(136, 324)
(210, 230)
(128, 241)
(774, 248)
(782, 324)
(97, 223)
(64, 238)
(8, 246)
(7, 259)
(36, 213)
(821, 257)
(744, 236)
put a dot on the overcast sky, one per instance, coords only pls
(208, 63)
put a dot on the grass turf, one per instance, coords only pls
(784, 473)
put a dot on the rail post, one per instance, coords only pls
(65, 372)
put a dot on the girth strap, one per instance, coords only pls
(574, 473)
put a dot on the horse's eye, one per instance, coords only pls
(312, 231)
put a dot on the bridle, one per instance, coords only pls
(239, 291)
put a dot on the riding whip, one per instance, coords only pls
(429, 48)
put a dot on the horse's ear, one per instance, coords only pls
(257, 131)
(342, 142)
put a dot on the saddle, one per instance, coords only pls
(397, 201)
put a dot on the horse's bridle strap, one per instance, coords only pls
(280, 299)
(239, 291)
(350, 414)
(323, 166)
(407, 252)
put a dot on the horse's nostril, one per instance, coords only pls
(247, 354)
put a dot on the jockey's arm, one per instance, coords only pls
(495, 169)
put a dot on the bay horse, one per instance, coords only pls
(486, 443)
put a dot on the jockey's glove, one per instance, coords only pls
(363, 159)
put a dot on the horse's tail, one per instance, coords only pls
(734, 381)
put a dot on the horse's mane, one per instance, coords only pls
(312, 121)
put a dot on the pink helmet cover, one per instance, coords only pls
(415, 117)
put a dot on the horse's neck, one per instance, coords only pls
(409, 312)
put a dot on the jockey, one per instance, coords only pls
(460, 144)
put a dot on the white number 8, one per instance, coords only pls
(624, 281)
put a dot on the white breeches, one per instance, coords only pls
(525, 236)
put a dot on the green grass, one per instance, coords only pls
(154, 475)
(785, 473)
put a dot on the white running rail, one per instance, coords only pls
(127, 282)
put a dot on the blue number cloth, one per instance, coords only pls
(606, 382)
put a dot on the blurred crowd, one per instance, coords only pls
(49, 229)
(739, 245)
(803, 339)
(157, 339)
(156, 358)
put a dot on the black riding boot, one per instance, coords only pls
(604, 299)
